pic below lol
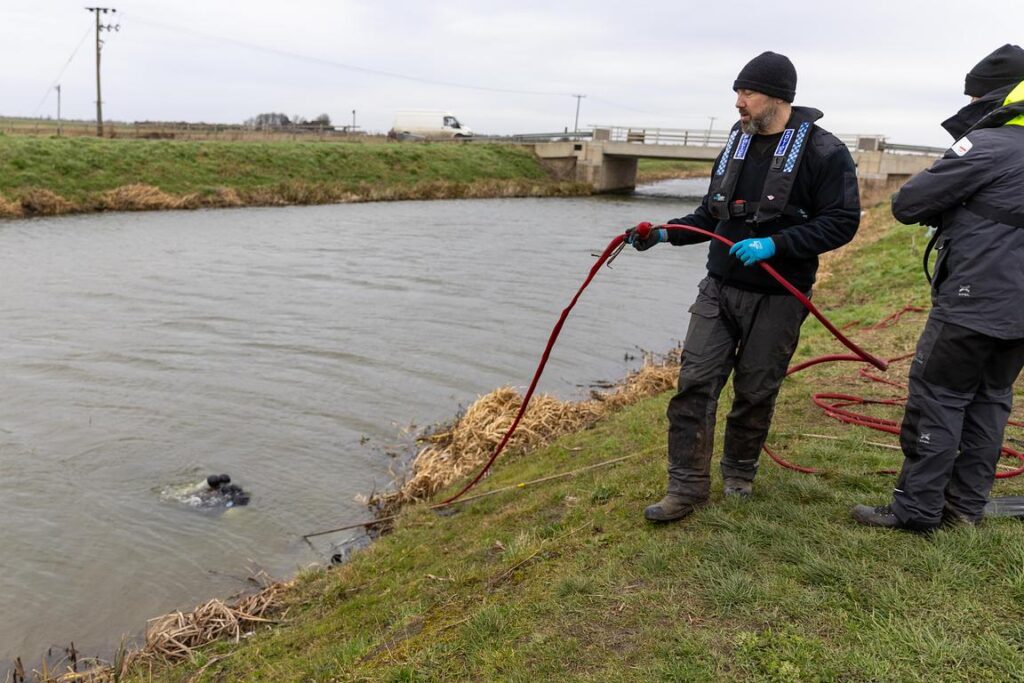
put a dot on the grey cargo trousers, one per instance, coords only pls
(961, 393)
(731, 330)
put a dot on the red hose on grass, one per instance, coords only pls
(836, 406)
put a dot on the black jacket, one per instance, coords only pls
(976, 193)
(825, 188)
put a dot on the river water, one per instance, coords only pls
(289, 348)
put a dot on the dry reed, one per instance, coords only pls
(9, 209)
(39, 202)
(178, 636)
(452, 453)
(142, 197)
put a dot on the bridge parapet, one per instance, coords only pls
(608, 162)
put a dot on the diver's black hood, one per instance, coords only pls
(965, 119)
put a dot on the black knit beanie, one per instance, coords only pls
(769, 73)
(1002, 67)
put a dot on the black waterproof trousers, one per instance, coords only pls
(730, 330)
(961, 393)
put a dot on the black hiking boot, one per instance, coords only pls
(669, 509)
(737, 488)
(952, 518)
(882, 516)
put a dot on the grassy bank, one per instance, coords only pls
(653, 170)
(565, 581)
(46, 176)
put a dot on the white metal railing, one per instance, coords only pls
(696, 137)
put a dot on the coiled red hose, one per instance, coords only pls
(837, 406)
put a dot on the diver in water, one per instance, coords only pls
(215, 493)
(220, 492)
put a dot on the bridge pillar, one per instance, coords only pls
(603, 172)
(589, 164)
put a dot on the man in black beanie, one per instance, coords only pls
(972, 347)
(783, 190)
(999, 69)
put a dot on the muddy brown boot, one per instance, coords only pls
(737, 488)
(669, 509)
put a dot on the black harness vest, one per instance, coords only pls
(778, 183)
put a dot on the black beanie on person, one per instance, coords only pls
(1004, 66)
(769, 73)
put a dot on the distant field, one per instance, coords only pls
(173, 131)
(49, 175)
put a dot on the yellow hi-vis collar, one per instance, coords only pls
(1016, 95)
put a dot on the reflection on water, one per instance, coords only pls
(287, 348)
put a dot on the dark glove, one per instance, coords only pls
(644, 236)
(933, 221)
(750, 251)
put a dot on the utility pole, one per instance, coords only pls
(707, 138)
(576, 125)
(99, 43)
(353, 120)
(59, 132)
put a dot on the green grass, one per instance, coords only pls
(649, 170)
(81, 169)
(566, 582)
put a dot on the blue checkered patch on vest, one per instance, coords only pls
(794, 152)
(723, 162)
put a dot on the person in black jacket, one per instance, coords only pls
(972, 347)
(783, 190)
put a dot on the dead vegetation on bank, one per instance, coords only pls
(142, 197)
(175, 637)
(459, 449)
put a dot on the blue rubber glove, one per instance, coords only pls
(750, 251)
(644, 236)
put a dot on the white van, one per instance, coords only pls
(429, 125)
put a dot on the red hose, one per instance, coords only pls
(836, 406)
(540, 368)
(615, 244)
(836, 410)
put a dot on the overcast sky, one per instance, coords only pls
(894, 67)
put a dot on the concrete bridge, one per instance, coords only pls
(608, 159)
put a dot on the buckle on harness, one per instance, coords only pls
(738, 208)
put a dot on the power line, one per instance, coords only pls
(379, 72)
(644, 111)
(74, 52)
(353, 67)
(343, 65)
